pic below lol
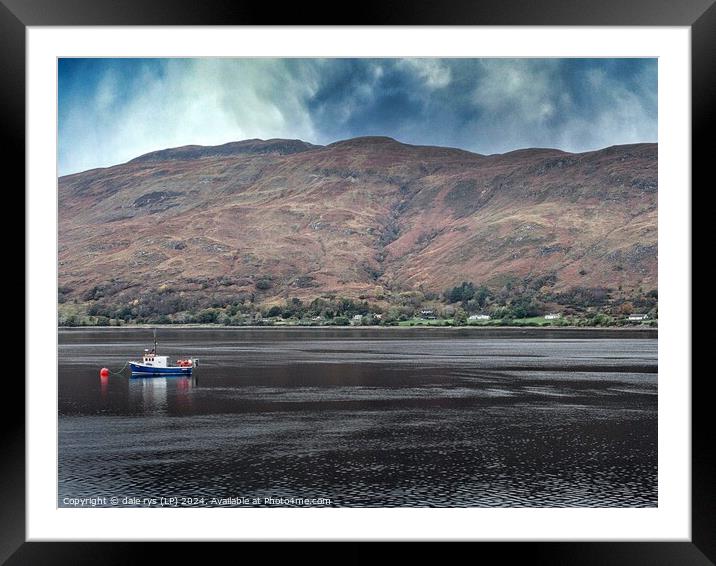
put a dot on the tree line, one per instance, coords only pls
(515, 299)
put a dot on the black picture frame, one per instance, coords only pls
(699, 15)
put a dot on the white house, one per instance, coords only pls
(479, 317)
(638, 316)
(357, 320)
(427, 313)
(552, 316)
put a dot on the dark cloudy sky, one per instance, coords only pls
(111, 110)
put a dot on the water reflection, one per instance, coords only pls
(103, 387)
(161, 395)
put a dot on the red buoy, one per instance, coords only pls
(104, 372)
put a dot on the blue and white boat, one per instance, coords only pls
(153, 364)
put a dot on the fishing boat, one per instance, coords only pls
(154, 364)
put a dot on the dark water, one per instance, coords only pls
(367, 418)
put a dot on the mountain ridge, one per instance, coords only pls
(358, 217)
(243, 147)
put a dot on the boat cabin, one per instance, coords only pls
(151, 359)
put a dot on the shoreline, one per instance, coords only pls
(495, 331)
(376, 327)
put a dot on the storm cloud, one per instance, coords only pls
(111, 110)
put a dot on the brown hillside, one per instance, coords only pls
(358, 216)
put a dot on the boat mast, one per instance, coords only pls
(155, 341)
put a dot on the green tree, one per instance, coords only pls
(274, 311)
(263, 284)
(462, 293)
(460, 318)
(206, 316)
(482, 295)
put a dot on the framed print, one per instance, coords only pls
(392, 280)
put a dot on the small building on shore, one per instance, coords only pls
(638, 317)
(357, 320)
(428, 314)
(552, 316)
(479, 317)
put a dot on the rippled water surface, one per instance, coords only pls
(362, 417)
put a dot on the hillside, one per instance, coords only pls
(362, 217)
